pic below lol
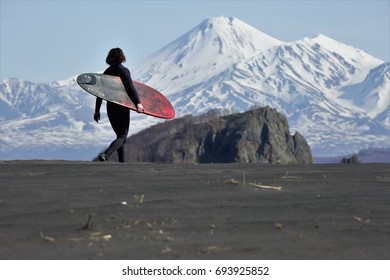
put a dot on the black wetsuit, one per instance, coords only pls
(119, 116)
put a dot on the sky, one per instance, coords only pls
(46, 41)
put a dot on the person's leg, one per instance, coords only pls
(121, 154)
(117, 144)
(120, 121)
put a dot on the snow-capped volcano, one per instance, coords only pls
(335, 95)
(206, 50)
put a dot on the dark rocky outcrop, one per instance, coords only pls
(352, 160)
(257, 136)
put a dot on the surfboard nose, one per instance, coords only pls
(88, 79)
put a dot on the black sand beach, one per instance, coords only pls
(91, 210)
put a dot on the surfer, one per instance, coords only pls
(118, 115)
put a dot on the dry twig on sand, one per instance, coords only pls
(362, 222)
(88, 224)
(232, 181)
(214, 249)
(139, 198)
(290, 177)
(257, 185)
(47, 238)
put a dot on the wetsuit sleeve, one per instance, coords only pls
(129, 86)
(98, 104)
(99, 100)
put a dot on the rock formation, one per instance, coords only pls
(257, 136)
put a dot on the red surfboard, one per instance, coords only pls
(111, 88)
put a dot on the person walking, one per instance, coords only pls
(119, 116)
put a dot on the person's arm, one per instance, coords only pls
(98, 104)
(131, 91)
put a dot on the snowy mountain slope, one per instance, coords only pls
(372, 94)
(300, 79)
(209, 48)
(32, 99)
(363, 61)
(335, 95)
(43, 116)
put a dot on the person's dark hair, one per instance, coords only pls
(115, 56)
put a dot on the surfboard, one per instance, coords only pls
(111, 88)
